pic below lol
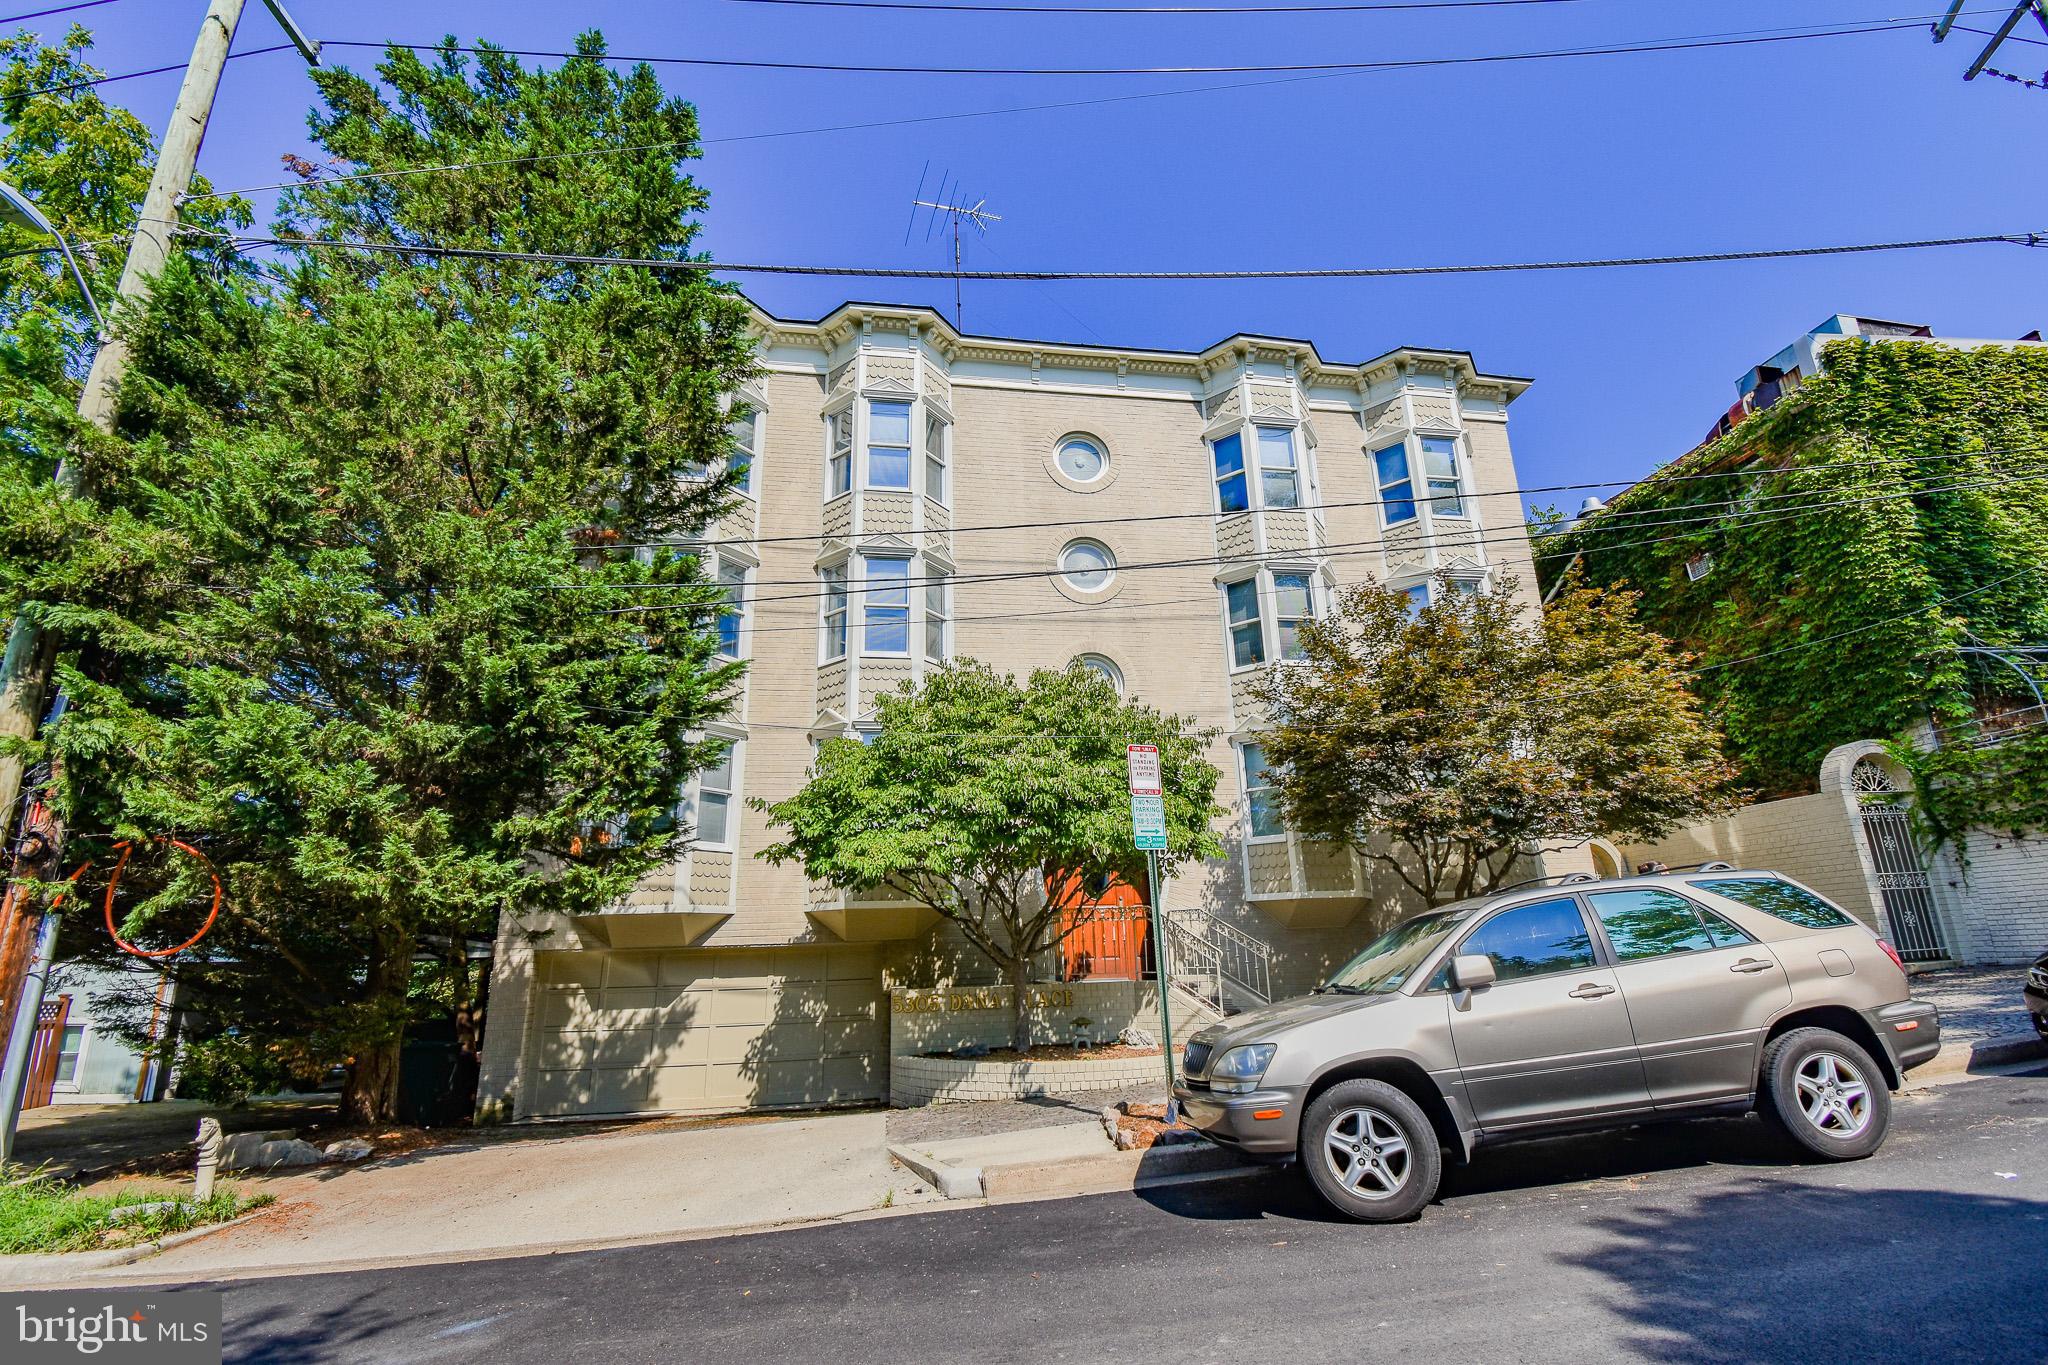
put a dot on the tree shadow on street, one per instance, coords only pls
(1803, 1272)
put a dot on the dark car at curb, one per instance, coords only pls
(2035, 993)
(1548, 1009)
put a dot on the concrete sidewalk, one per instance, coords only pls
(536, 1191)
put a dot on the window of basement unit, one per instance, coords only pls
(885, 605)
(717, 788)
(888, 444)
(1279, 469)
(1105, 668)
(1087, 565)
(1261, 799)
(1083, 459)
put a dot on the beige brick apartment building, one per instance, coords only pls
(882, 437)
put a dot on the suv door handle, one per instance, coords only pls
(1591, 991)
(1750, 964)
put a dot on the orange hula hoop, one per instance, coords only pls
(127, 846)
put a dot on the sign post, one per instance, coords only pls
(1148, 832)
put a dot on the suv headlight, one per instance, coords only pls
(1239, 1071)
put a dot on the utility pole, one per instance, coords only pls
(31, 651)
(2038, 8)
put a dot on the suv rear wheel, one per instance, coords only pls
(1370, 1151)
(1826, 1093)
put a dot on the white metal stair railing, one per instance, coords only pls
(1244, 963)
(1197, 969)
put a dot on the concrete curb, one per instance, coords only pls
(1110, 1173)
(954, 1182)
(1959, 1059)
(40, 1268)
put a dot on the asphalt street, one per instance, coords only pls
(1695, 1243)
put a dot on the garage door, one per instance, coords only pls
(621, 1032)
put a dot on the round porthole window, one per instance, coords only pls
(1107, 669)
(1087, 565)
(1082, 459)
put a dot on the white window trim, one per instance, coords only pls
(942, 458)
(1410, 451)
(909, 613)
(1268, 598)
(733, 804)
(1460, 471)
(721, 561)
(939, 580)
(913, 412)
(842, 417)
(1294, 445)
(842, 569)
(70, 1087)
(759, 422)
(1247, 466)
(1244, 779)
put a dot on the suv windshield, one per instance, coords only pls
(1391, 958)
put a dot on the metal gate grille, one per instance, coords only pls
(1903, 884)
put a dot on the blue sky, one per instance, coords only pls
(1848, 139)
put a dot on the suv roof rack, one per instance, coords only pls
(1562, 879)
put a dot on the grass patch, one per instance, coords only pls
(41, 1213)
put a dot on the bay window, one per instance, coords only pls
(839, 457)
(1440, 467)
(745, 436)
(1279, 470)
(1247, 634)
(732, 616)
(937, 432)
(1261, 799)
(888, 444)
(1231, 493)
(1293, 603)
(834, 610)
(885, 605)
(716, 788)
(936, 616)
(1397, 489)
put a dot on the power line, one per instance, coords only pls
(61, 9)
(1409, 64)
(809, 537)
(698, 266)
(1154, 9)
(869, 125)
(134, 75)
(1340, 550)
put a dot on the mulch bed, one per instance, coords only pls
(1143, 1125)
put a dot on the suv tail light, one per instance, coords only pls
(1892, 953)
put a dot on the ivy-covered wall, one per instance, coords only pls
(1908, 505)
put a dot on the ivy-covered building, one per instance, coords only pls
(1861, 549)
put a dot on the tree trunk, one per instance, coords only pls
(371, 1093)
(1020, 1009)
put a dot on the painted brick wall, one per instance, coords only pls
(1999, 912)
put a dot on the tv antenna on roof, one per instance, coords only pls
(953, 206)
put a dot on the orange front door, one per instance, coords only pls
(1106, 930)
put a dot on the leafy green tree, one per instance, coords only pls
(1447, 746)
(989, 801)
(369, 631)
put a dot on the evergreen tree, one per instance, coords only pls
(373, 632)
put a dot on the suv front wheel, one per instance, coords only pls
(1370, 1151)
(1826, 1093)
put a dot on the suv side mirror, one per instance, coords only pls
(1470, 971)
